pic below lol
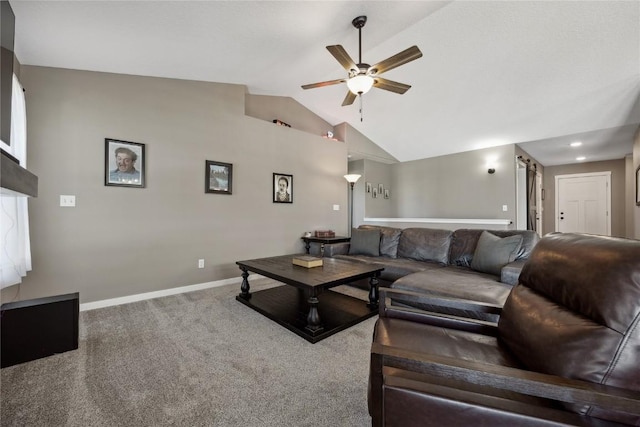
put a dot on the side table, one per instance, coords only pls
(323, 241)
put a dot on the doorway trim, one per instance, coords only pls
(606, 174)
(521, 193)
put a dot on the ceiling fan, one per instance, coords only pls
(364, 76)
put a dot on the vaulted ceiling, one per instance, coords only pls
(537, 73)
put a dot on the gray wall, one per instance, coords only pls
(359, 146)
(454, 186)
(124, 241)
(618, 171)
(288, 110)
(358, 167)
(379, 173)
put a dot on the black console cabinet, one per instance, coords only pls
(37, 328)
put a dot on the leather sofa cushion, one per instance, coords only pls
(493, 252)
(441, 341)
(365, 242)
(425, 244)
(455, 282)
(428, 400)
(464, 242)
(579, 303)
(511, 272)
(389, 239)
(394, 268)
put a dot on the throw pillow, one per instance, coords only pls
(365, 242)
(492, 252)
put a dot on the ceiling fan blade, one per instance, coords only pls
(390, 85)
(322, 84)
(348, 100)
(343, 57)
(396, 60)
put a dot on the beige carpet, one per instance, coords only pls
(194, 359)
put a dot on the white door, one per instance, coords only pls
(583, 203)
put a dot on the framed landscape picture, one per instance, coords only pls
(218, 177)
(124, 163)
(282, 188)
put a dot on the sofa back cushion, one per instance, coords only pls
(576, 313)
(389, 239)
(464, 242)
(493, 252)
(425, 244)
(365, 242)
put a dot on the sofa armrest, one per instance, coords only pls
(508, 378)
(341, 248)
(436, 318)
(511, 272)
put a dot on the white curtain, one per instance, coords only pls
(15, 252)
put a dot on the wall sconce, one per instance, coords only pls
(491, 165)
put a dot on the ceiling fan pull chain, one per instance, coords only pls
(360, 96)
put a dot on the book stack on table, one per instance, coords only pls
(327, 233)
(307, 261)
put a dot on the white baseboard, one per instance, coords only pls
(163, 293)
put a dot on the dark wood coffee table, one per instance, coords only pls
(305, 305)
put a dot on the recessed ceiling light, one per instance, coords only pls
(581, 158)
(576, 144)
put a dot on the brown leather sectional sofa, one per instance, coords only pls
(565, 351)
(441, 262)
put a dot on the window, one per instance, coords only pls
(15, 249)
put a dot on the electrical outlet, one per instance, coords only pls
(67, 201)
(336, 207)
(504, 208)
(200, 263)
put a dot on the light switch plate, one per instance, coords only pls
(336, 207)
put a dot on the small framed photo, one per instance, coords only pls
(282, 188)
(380, 189)
(218, 177)
(368, 187)
(124, 163)
(374, 192)
(386, 193)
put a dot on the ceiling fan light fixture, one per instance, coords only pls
(360, 84)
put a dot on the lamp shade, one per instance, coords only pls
(352, 178)
(360, 84)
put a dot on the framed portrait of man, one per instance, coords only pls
(282, 188)
(124, 163)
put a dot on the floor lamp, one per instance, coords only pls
(351, 179)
